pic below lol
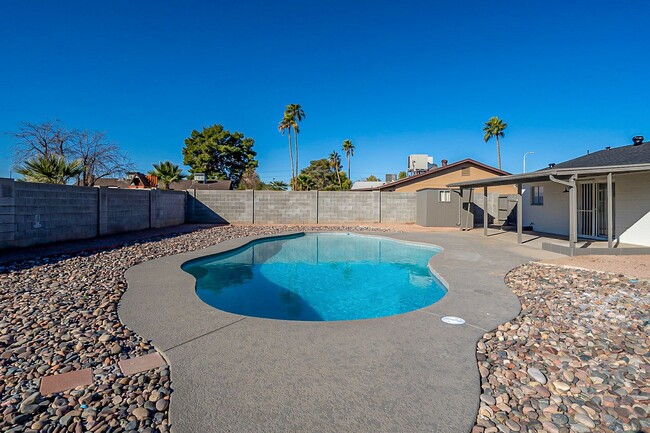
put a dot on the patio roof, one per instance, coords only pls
(543, 175)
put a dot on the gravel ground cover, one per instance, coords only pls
(59, 314)
(576, 359)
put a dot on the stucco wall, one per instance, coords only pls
(632, 208)
(553, 215)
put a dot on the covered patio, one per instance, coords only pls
(568, 178)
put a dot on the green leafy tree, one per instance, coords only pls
(50, 168)
(401, 175)
(219, 153)
(167, 172)
(372, 178)
(277, 185)
(494, 128)
(320, 175)
(348, 148)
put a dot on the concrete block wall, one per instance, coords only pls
(7, 212)
(35, 213)
(167, 208)
(205, 206)
(398, 207)
(283, 207)
(127, 210)
(47, 213)
(348, 206)
(300, 207)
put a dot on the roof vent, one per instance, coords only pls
(638, 139)
(608, 147)
(551, 165)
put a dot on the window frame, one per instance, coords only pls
(447, 194)
(537, 195)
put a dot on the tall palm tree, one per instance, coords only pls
(285, 125)
(494, 128)
(50, 168)
(167, 172)
(296, 114)
(348, 148)
(335, 163)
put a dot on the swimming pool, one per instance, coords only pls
(319, 277)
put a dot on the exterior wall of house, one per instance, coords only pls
(551, 217)
(454, 175)
(632, 208)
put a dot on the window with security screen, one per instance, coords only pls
(537, 195)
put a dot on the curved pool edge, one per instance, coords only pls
(183, 331)
(435, 250)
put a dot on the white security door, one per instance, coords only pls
(586, 210)
(592, 210)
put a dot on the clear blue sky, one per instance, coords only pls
(394, 77)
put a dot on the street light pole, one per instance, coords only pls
(527, 153)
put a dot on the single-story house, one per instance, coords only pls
(603, 195)
(139, 180)
(439, 177)
(366, 184)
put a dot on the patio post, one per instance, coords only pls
(610, 212)
(460, 208)
(520, 214)
(485, 211)
(573, 213)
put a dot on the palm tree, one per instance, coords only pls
(50, 168)
(277, 185)
(167, 172)
(494, 128)
(296, 114)
(335, 163)
(348, 148)
(285, 125)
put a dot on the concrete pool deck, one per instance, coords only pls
(410, 372)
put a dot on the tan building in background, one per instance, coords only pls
(439, 177)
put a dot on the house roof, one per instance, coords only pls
(437, 171)
(364, 184)
(624, 155)
(183, 185)
(624, 159)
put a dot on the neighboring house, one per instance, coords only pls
(139, 181)
(439, 177)
(603, 195)
(364, 184)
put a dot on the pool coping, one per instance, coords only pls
(176, 322)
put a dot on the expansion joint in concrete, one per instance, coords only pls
(204, 335)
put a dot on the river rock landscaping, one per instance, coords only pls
(576, 359)
(59, 314)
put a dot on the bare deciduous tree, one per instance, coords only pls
(99, 157)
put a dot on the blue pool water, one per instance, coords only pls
(319, 277)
